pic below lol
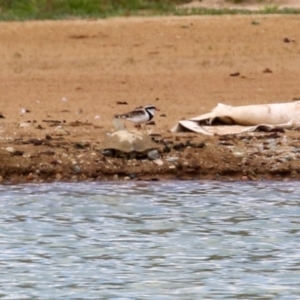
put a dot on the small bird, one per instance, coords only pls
(139, 115)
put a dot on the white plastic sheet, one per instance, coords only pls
(225, 119)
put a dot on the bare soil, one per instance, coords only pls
(60, 82)
(253, 5)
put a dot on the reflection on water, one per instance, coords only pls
(170, 240)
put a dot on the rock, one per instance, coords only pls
(60, 131)
(14, 152)
(24, 111)
(116, 177)
(76, 168)
(24, 125)
(10, 150)
(238, 153)
(235, 74)
(172, 159)
(267, 70)
(200, 145)
(58, 176)
(179, 147)
(132, 176)
(166, 149)
(48, 137)
(130, 144)
(158, 162)
(153, 154)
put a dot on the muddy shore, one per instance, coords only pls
(256, 156)
(61, 82)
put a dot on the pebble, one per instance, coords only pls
(132, 176)
(289, 157)
(60, 131)
(76, 168)
(116, 177)
(58, 176)
(172, 159)
(158, 162)
(153, 154)
(10, 150)
(238, 153)
(24, 125)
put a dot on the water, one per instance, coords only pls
(169, 240)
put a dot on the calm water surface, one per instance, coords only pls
(169, 240)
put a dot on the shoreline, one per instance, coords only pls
(247, 157)
(63, 81)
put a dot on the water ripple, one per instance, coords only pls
(169, 240)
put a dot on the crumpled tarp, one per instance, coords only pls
(226, 119)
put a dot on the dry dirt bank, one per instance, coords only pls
(69, 76)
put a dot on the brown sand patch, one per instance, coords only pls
(253, 5)
(78, 70)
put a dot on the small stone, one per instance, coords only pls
(178, 147)
(289, 157)
(153, 154)
(238, 154)
(24, 125)
(267, 70)
(200, 145)
(126, 178)
(24, 111)
(76, 168)
(132, 176)
(58, 176)
(48, 137)
(166, 149)
(108, 152)
(1, 178)
(10, 150)
(158, 162)
(30, 176)
(60, 131)
(172, 167)
(172, 159)
(116, 177)
(235, 74)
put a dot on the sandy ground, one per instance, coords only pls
(77, 71)
(253, 5)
